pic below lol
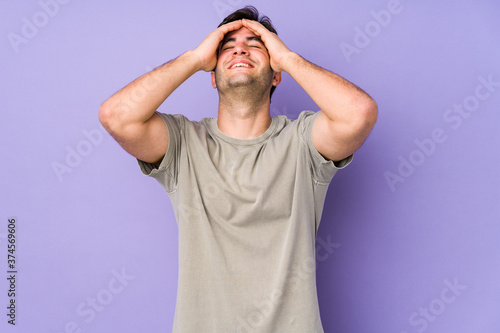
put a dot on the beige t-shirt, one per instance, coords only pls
(247, 213)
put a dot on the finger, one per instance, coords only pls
(234, 25)
(254, 26)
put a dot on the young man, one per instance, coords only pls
(247, 189)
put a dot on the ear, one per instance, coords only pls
(276, 78)
(212, 75)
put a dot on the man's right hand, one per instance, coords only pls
(206, 52)
(129, 115)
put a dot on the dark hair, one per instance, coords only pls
(250, 13)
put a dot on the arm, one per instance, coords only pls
(348, 113)
(129, 115)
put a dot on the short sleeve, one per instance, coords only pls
(167, 172)
(323, 169)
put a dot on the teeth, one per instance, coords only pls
(240, 64)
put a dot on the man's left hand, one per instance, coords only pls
(275, 46)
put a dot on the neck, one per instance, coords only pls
(243, 118)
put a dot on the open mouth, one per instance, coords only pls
(240, 65)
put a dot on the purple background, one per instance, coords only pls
(397, 246)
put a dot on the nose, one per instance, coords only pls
(240, 48)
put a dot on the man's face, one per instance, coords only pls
(243, 61)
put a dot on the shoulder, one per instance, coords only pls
(299, 125)
(183, 124)
(178, 119)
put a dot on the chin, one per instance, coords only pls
(240, 80)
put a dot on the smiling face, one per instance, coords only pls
(243, 61)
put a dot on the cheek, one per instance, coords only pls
(264, 53)
(224, 54)
(221, 59)
(263, 56)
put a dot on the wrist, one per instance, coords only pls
(192, 59)
(289, 61)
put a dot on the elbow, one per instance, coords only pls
(103, 114)
(363, 118)
(107, 116)
(372, 112)
(368, 114)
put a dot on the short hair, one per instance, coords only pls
(250, 13)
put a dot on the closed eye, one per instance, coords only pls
(253, 41)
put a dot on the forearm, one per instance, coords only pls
(138, 101)
(338, 98)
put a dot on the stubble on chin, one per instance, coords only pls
(250, 83)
